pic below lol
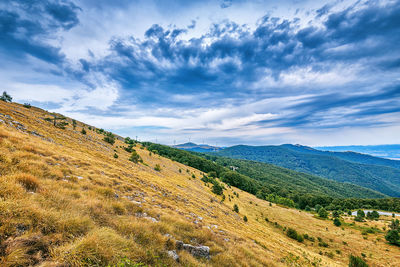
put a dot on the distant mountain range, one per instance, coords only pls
(382, 175)
(197, 148)
(384, 151)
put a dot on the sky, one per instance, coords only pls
(221, 72)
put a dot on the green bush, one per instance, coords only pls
(217, 188)
(83, 131)
(322, 213)
(109, 137)
(294, 235)
(115, 155)
(157, 167)
(355, 261)
(27, 105)
(134, 157)
(5, 97)
(245, 218)
(393, 237)
(236, 208)
(337, 222)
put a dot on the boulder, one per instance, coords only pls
(173, 255)
(196, 251)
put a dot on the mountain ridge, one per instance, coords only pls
(305, 159)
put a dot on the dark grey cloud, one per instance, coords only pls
(26, 26)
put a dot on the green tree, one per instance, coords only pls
(323, 213)
(337, 222)
(134, 157)
(212, 174)
(245, 219)
(74, 124)
(109, 138)
(115, 155)
(294, 235)
(236, 208)
(217, 188)
(394, 225)
(5, 97)
(360, 213)
(318, 207)
(83, 131)
(393, 237)
(375, 214)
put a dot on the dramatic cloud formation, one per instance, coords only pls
(317, 73)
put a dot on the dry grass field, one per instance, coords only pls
(65, 200)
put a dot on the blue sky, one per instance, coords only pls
(226, 72)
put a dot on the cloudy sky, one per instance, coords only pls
(223, 71)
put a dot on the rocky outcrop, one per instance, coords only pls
(197, 251)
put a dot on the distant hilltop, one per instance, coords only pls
(197, 147)
(384, 151)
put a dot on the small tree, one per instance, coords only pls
(393, 237)
(74, 124)
(236, 208)
(394, 225)
(245, 218)
(6, 97)
(375, 214)
(157, 167)
(349, 212)
(337, 222)
(335, 214)
(115, 155)
(322, 213)
(217, 188)
(109, 138)
(134, 157)
(83, 131)
(360, 213)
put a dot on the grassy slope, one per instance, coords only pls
(74, 216)
(380, 178)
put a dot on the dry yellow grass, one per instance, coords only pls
(65, 200)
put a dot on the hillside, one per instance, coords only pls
(296, 182)
(377, 177)
(66, 200)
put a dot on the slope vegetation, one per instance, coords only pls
(325, 164)
(67, 200)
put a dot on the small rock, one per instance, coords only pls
(173, 255)
(80, 177)
(168, 235)
(154, 220)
